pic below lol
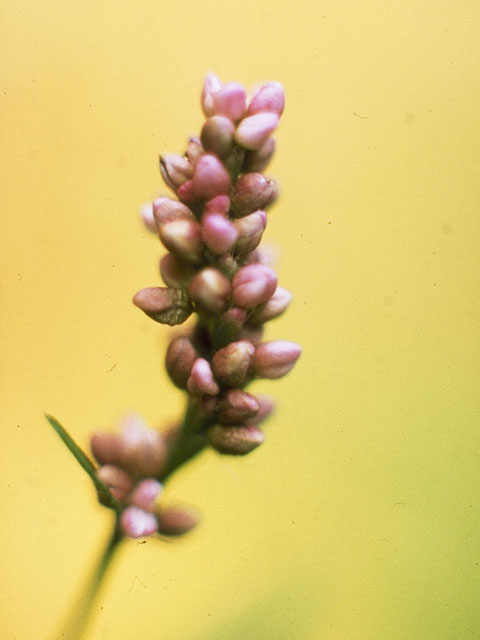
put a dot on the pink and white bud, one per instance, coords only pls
(201, 380)
(176, 272)
(136, 523)
(231, 365)
(218, 233)
(117, 480)
(253, 191)
(272, 308)
(166, 210)
(250, 230)
(168, 306)
(254, 130)
(210, 178)
(145, 494)
(181, 354)
(237, 406)
(253, 285)
(194, 150)
(217, 135)
(175, 170)
(184, 238)
(220, 204)
(235, 440)
(145, 451)
(275, 359)
(258, 160)
(176, 521)
(148, 219)
(230, 101)
(210, 289)
(211, 86)
(269, 98)
(186, 192)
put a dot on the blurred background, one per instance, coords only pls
(359, 518)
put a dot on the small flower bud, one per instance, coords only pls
(210, 178)
(194, 149)
(175, 170)
(176, 272)
(175, 521)
(236, 440)
(253, 285)
(181, 354)
(219, 204)
(269, 98)
(217, 135)
(145, 452)
(231, 364)
(136, 523)
(275, 359)
(166, 210)
(106, 447)
(148, 219)
(266, 406)
(211, 86)
(183, 237)
(236, 406)
(254, 130)
(186, 192)
(201, 380)
(253, 191)
(117, 480)
(210, 289)
(218, 233)
(230, 101)
(250, 230)
(145, 494)
(168, 306)
(258, 160)
(272, 308)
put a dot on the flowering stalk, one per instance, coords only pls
(214, 269)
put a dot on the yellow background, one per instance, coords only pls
(359, 518)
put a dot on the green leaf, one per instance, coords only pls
(103, 491)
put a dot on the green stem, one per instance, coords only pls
(76, 622)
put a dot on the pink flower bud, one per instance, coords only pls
(230, 101)
(266, 406)
(218, 233)
(136, 523)
(272, 308)
(250, 230)
(237, 440)
(211, 86)
(194, 149)
(183, 237)
(186, 192)
(231, 324)
(217, 135)
(181, 354)
(176, 272)
(210, 178)
(253, 131)
(168, 306)
(145, 494)
(166, 210)
(253, 285)
(275, 359)
(219, 204)
(236, 406)
(258, 160)
(269, 98)
(231, 364)
(201, 380)
(176, 521)
(148, 219)
(253, 191)
(145, 451)
(210, 289)
(117, 480)
(175, 170)
(106, 447)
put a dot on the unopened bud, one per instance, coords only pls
(175, 271)
(186, 192)
(136, 523)
(269, 98)
(258, 160)
(145, 494)
(194, 149)
(253, 191)
(181, 354)
(175, 170)
(145, 451)
(210, 178)
(176, 521)
(168, 306)
(210, 289)
(106, 447)
(217, 135)
(148, 219)
(218, 233)
(254, 130)
(236, 406)
(166, 210)
(266, 406)
(183, 237)
(230, 101)
(275, 359)
(250, 230)
(201, 380)
(211, 86)
(117, 480)
(237, 440)
(272, 308)
(219, 204)
(253, 285)
(231, 364)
